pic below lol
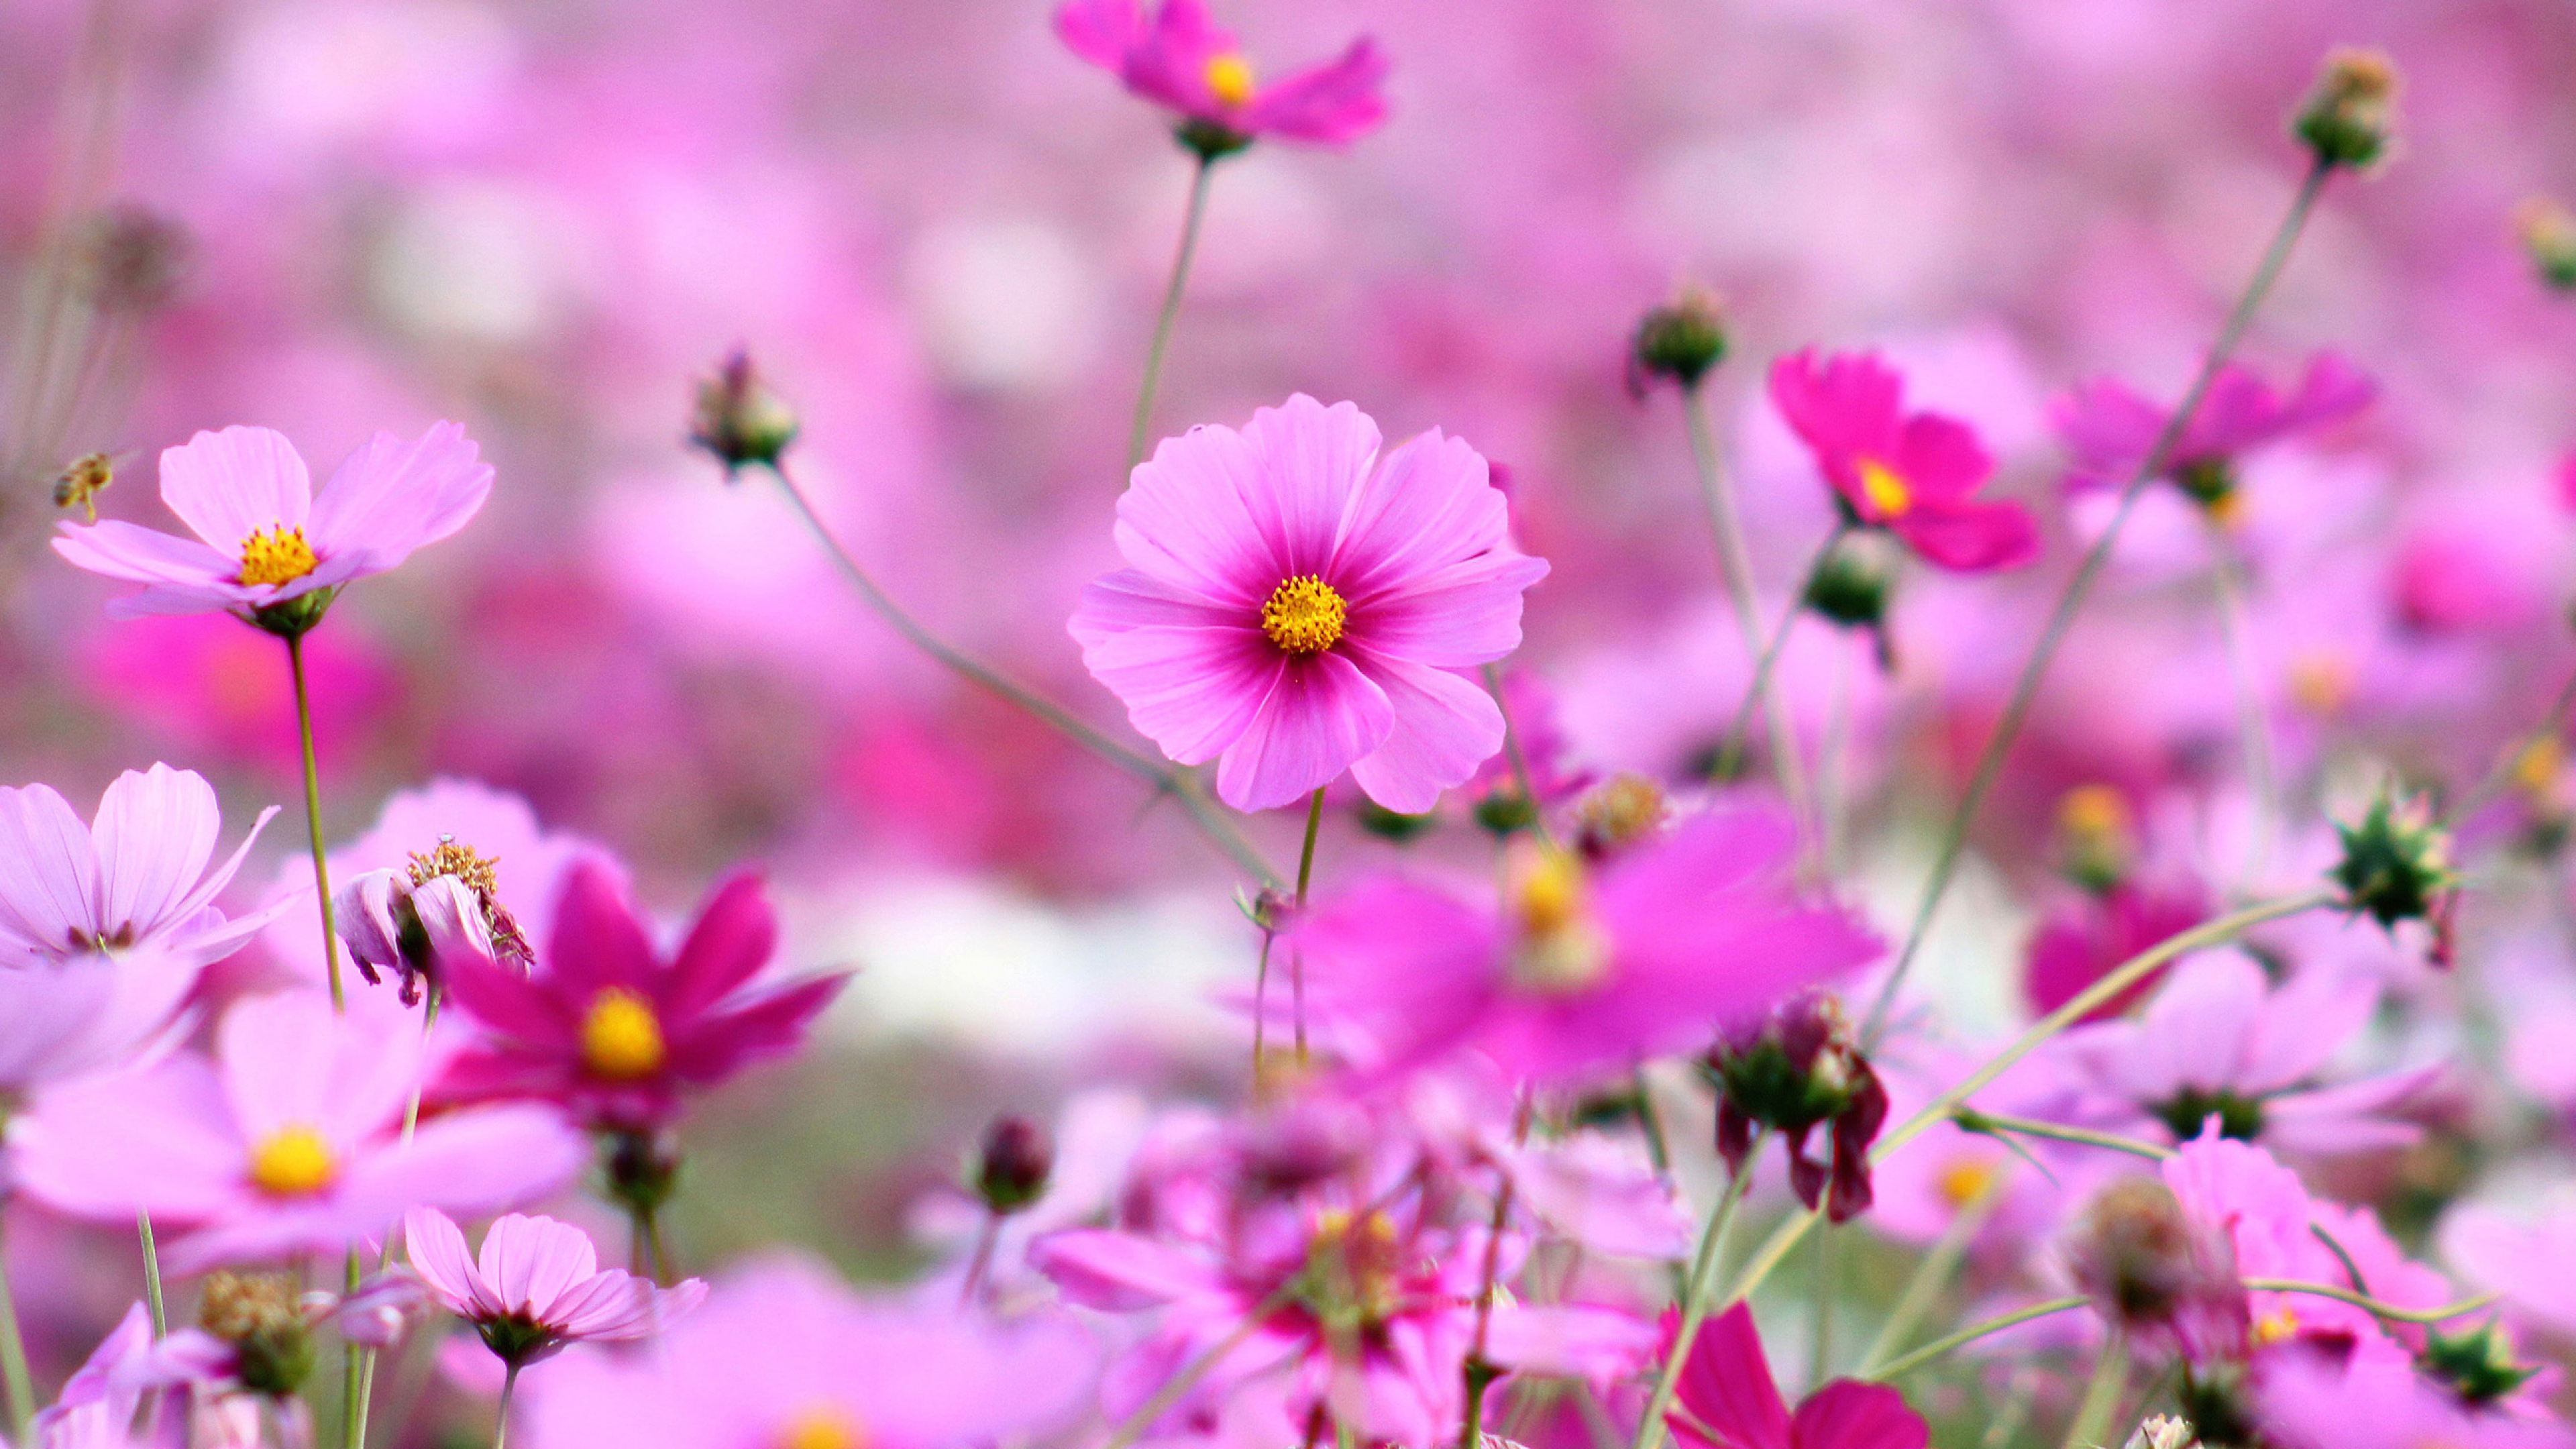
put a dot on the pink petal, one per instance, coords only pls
(1188, 519)
(1444, 727)
(48, 871)
(1941, 458)
(532, 1262)
(438, 1254)
(1461, 616)
(1313, 462)
(1845, 408)
(1429, 504)
(1120, 1272)
(1849, 1415)
(1571, 1340)
(278, 1052)
(154, 833)
(2109, 429)
(229, 485)
(392, 496)
(597, 940)
(1972, 537)
(1412, 966)
(469, 1163)
(764, 1023)
(122, 550)
(1100, 31)
(735, 935)
(1322, 714)
(1192, 691)
(102, 1147)
(1332, 104)
(1726, 1384)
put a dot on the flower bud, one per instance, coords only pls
(1011, 1168)
(2396, 862)
(1617, 814)
(739, 420)
(1795, 1070)
(2480, 1367)
(80, 483)
(2097, 835)
(1680, 340)
(643, 1169)
(1393, 826)
(260, 1316)
(2350, 114)
(2156, 1273)
(1209, 141)
(2548, 232)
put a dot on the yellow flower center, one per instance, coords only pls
(1966, 1180)
(2536, 768)
(2275, 1326)
(1230, 77)
(293, 1162)
(621, 1039)
(1560, 951)
(277, 555)
(821, 1426)
(1354, 1270)
(1304, 615)
(1885, 491)
(2322, 682)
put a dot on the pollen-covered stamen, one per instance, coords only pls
(293, 1161)
(1885, 489)
(1229, 77)
(621, 1038)
(461, 861)
(277, 555)
(1559, 949)
(1304, 615)
(1353, 1278)
(821, 1426)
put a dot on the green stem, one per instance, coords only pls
(1898, 1367)
(13, 1360)
(313, 818)
(428, 1022)
(2080, 586)
(1739, 731)
(357, 1376)
(2227, 580)
(2101, 1395)
(501, 1421)
(1180, 784)
(1821, 1349)
(1971, 1120)
(1735, 566)
(1305, 878)
(1650, 1120)
(1933, 1273)
(1479, 1374)
(1516, 754)
(2373, 1306)
(152, 1274)
(1703, 1269)
(1136, 434)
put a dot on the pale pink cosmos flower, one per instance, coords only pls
(287, 1141)
(1296, 604)
(2110, 429)
(263, 538)
(1913, 474)
(2532, 1262)
(2312, 1401)
(537, 1288)
(104, 926)
(1586, 969)
(1177, 57)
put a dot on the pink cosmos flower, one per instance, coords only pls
(1178, 58)
(2219, 1041)
(104, 926)
(1295, 605)
(613, 1029)
(1588, 968)
(1725, 1399)
(2533, 1263)
(2111, 429)
(2312, 1401)
(537, 1288)
(287, 1141)
(2078, 946)
(1913, 474)
(784, 1354)
(264, 538)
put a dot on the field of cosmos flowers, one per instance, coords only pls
(1211, 724)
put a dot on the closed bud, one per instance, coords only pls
(2396, 862)
(2351, 114)
(1680, 341)
(739, 420)
(1011, 1168)
(2548, 232)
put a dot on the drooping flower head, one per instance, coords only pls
(2110, 429)
(1912, 474)
(1178, 58)
(537, 1287)
(615, 1030)
(287, 1141)
(1585, 969)
(1795, 1070)
(1724, 1398)
(264, 541)
(1296, 604)
(104, 926)
(442, 902)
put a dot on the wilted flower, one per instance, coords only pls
(444, 901)
(1725, 1398)
(267, 548)
(2158, 1274)
(1296, 604)
(2349, 117)
(1913, 474)
(1176, 57)
(1793, 1071)
(537, 1287)
(1622, 811)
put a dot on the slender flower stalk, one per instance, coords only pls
(152, 1274)
(1932, 1274)
(1180, 784)
(2080, 586)
(2227, 580)
(1479, 1374)
(2101, 1395)
(1695, 1304)
(1735, 564)
(313, 819)
(1138, 434)
(2551, 723)
(1899, 1367)
(1297, 955)
(1731, 753)
(2377, 1309)
(1517, 755)
(1971, 1120)
(14, 1377)
(501, 1419)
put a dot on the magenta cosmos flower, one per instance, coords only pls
(1913, 474)
(1725, 1399)
(1178, 58)
(104, 926)
(287, 1141)
(614, 1030)
(1295, 605)
(2111, 429)
(537, 1287)
(1584, 969)
(263, 538)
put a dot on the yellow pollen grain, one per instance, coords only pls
(1885, 491)
(2093, 811)
(2322, 682)
(621, 1039)
(1965, 1181)
(293, 1162)
(1304, 615)
(821, 1426)
(276, 555)
(1229, 77)
(2276, 1326)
